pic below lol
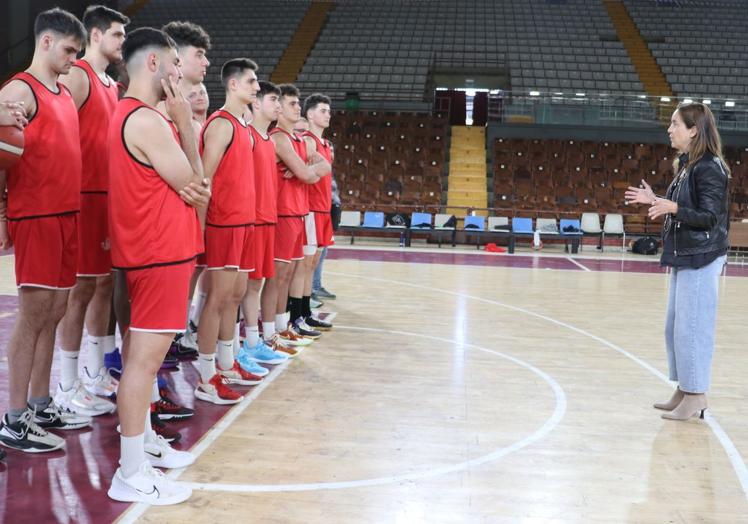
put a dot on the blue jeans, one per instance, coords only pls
(690, 324)
(317, 278)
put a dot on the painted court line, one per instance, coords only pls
(421, 472)
(736, 459)
(137, 510)
(578, 264)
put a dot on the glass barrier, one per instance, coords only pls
(539, 107)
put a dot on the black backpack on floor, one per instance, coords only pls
(645, 246)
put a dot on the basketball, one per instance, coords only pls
(11, 146)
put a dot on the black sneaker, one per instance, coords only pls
(167, 409)
(323, 293)
(160, 428)
(52, 418)
(301, 329)
(27, 436)
(317, 324)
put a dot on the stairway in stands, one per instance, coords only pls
(650, 74)
(301, 44)
(467, 170)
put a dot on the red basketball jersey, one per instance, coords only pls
(266, 179)
(293, 194)
(46, 180)
(94, 116)
(320, 193)
(232, 202)
(149, 224)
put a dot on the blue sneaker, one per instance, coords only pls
(249, 365)
(261, 353)
(113, 363)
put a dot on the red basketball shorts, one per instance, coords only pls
(158, 297)
(229, 247)
(290, 238)
(94, 256)
(46, 251)
(323, 226)
(264, 248)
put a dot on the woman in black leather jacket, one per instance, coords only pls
(694, 238)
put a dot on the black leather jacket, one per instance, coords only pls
(702, 222)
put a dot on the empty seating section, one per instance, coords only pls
(570, 177)
(385, 49)
(389, 161)
(701, 46)
(258, 30)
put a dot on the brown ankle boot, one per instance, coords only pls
(690, 406)
(671, 404)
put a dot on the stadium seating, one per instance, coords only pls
(389, 161)
(701, 46)
(572, 177)
(236, 28)
(384, 50)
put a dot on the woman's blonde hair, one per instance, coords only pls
(696, 114)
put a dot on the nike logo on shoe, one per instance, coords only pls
(154, 490)
(155, 455)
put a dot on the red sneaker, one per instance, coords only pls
(217, 391)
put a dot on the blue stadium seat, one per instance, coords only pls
(373, 219)
(420, 221)
(478, 222)
(522, 226)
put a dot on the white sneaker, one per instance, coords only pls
(161, 455)
(102, 384)
(78, 400)
(189, 340)
(149, 486)
(52, 417)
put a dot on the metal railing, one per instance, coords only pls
(600, 109)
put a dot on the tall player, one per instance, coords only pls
(95, 96)
(152, 160)
(42, 213)
(293, 202)
(317, 112)
(193, 44)
(226, 148)
(265, 110)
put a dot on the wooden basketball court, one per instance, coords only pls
(474, 389)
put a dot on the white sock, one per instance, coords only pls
(132, 454)
(237, 343)
(150, 435)
(286, 319)
(69, 368)
(206, 364)
(95, 355)
(155, 395)
(268, 330)
(253, 335)
(109, 343)
(198, 309)
(280, 322)
(225, 354)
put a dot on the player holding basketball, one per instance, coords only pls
(41, 223)
(152, 159)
